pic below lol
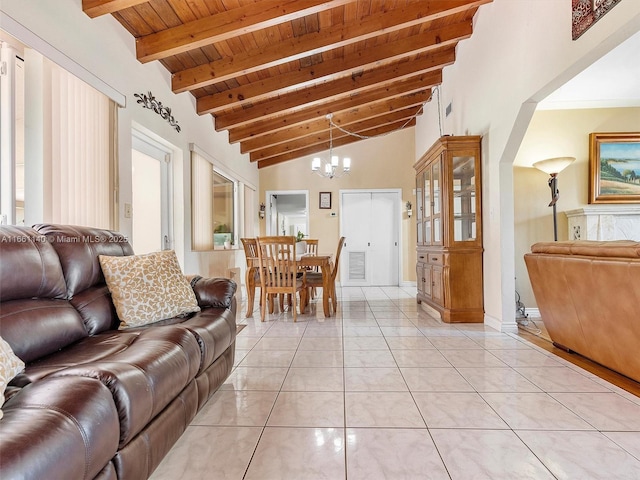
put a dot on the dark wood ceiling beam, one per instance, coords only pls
(377, 82)
(379, 58)
(319, 128)
(382, 107)
(398, 89)
(312, 43)
(96, 8)
(360, 128)
(321, 148)
(226, 25)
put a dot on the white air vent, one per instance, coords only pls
(357, 265)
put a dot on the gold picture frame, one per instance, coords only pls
(614, 167)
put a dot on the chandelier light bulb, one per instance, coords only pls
(329, 168)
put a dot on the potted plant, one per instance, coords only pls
(301, 245)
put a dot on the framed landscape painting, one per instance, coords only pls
(614, 167)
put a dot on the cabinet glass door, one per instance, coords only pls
(464, 199)
(426, 211)
(436, 202)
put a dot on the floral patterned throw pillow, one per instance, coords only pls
(10, 366)
(147, 288)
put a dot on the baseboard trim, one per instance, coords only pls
(499, 325)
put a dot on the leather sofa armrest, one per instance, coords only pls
(213, 292)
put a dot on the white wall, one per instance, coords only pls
(383, 162)
(520, 52)
(105, 50)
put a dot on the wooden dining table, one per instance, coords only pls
(324, 262)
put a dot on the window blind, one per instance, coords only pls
(201, 203)
(79, 125)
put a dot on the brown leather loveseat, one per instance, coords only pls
(96, 401)
(588, 294)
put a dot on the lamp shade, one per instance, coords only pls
(554, 165)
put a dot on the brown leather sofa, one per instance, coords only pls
(95, 401)
(588, 295)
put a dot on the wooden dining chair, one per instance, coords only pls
(314, 279)
(312, 249)
(252, 278)
(312, 246)
(279, 275)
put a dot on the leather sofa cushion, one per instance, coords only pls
(58, 427)
(590, 248)
(90, 349)
(30, 266)
(213, 328)
(145, 377)
(213, 292)
(96, 309)
(140, 457)
(38, 327)
(78, 249)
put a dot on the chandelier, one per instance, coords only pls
(330, 169)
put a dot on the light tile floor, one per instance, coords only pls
(384, 391)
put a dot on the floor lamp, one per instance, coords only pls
(552, 167)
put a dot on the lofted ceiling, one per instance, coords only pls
(271, 71)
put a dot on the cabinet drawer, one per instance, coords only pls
(436, 259)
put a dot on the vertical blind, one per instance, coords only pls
(201, 203)
(80, 125)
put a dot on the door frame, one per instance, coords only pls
(269, 193)
(398, 226)
(147, 144)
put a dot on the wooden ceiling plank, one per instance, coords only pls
(345, 139)
(166, 12)
(334, 37)
(275, 134)
(134, 21)
(323, 137)
(319, 129)
(155, 20)
(321, 148)
(226, 25)
(328, 98)
(356, 103)
(335, 90)
(96, 8)
(351, 115)
(332, 69)
(183, 10)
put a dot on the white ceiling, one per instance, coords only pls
(612, 81)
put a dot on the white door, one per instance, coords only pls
(150, 209)
(370, 223)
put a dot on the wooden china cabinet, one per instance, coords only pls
(449, 233)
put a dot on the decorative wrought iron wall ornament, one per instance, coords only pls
(150, 102)
(584, 13)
